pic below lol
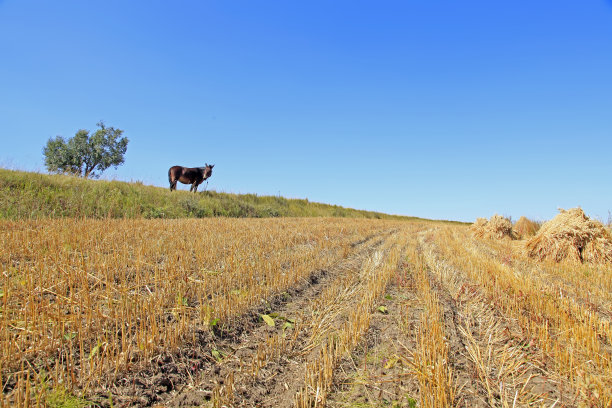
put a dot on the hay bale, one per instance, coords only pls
(497, 227)
(525, 227)
(572, 236)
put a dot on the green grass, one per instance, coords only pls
(25, 195)
(61, 398)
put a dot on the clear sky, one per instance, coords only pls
(440, 109)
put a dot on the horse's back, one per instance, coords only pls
(186, 175)
(175, 171)
(191, 173)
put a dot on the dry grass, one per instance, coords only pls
(493, 343)
(525, 228)
(561, 334)
(83, 301)
(574, 237)
(351, 302)
(430, 360)
(497, 227)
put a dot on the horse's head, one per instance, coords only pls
(208, 170)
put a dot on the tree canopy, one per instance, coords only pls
(86, 155)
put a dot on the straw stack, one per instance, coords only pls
(525, 227)
(497, 227)
(572, 236)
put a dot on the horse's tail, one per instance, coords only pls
(170, 177)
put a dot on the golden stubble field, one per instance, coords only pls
(295, 312)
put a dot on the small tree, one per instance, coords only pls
(85, 155)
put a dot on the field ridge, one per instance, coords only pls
(29, 195)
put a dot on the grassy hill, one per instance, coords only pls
(34, 195)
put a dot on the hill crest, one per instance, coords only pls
(25, 195)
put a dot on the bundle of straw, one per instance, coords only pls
(525, 227)
(572, 236)
(497, 227)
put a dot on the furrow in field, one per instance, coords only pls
(340, 317)
(262, 366)
(504, 369)
(413, 353)
(560, 339)
(378, 371)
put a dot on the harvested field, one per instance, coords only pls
(295, 312)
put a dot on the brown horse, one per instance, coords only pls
(189, 175)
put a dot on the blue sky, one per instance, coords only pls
(439, 109)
